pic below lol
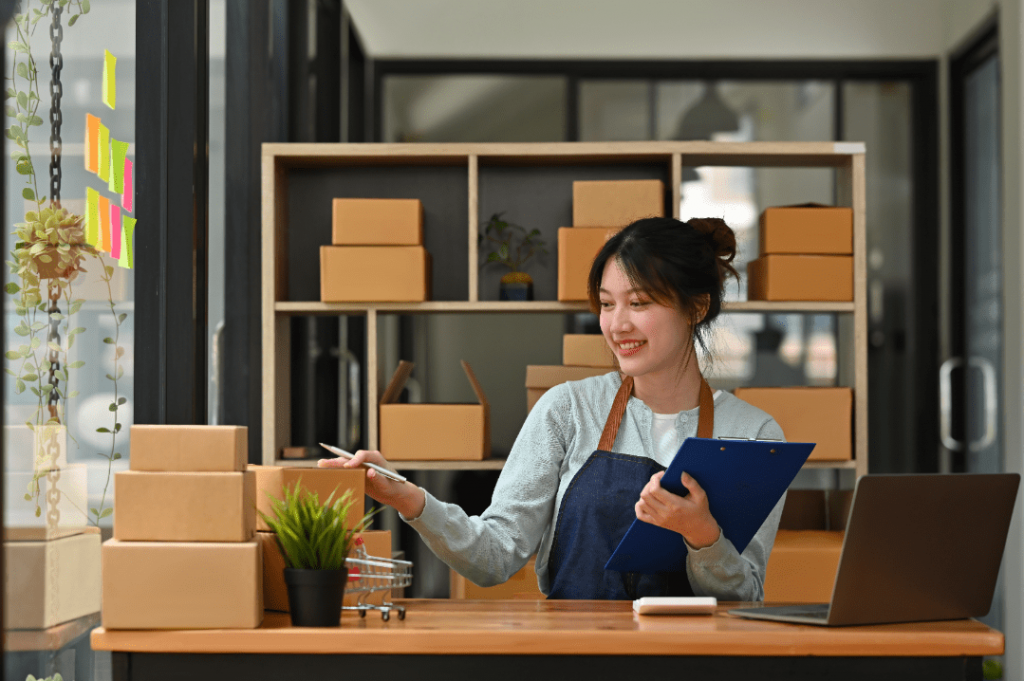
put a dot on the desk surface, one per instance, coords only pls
(560, 628)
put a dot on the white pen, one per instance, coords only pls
(348, 455)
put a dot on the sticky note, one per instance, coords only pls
(109, 94)
(128, 227)
(104, 210)
(128, 195)
(92, 143)
(92, 216)
(115, 231)
(118, 151)
(104, 160)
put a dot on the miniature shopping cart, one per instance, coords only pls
(370, 574)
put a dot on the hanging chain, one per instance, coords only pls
(53, 342)
(56, 90)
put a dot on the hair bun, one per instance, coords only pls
(721, 235)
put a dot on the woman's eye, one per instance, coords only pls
(605, 304)
(640, 303)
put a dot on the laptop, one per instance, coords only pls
(917, 548)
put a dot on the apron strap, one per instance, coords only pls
(706, 415)
(705, 418)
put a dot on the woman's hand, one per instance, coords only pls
(689, 515)
(404, 497)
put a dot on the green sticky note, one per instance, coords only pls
(118, 150)
(104, 168)
(92, 216)
(109, 79)
(127, 246)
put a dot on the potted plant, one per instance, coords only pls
(513, 246)
(315, 540)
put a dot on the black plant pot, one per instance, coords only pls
(314, 596)
(521, 291)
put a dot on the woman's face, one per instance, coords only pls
(647, 338)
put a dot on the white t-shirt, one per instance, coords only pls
(665, 436)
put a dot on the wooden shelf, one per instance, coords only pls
(499, 307)
(498, 464)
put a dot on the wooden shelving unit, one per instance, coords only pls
(460, 183)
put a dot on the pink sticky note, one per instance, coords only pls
(115, 231)
(128, 196)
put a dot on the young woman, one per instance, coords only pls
(591, 454)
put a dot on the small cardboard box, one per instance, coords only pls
(520, 586)
(323, 482)
(821, 415)
(184, 507)
(808, 228)
(377, 222)
(49, 582)
(800, 277)
(434, 432)
(189, 449)
(182, 585)
(275, 591)
(539, 379)
(20, 513)
(374, 274)
(577, 248)
(816, 509)
(802, 566)
(616, 203)
(586, 350)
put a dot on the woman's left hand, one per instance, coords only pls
(689, 515)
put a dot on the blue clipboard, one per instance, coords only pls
(743, 480)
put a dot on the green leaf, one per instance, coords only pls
(22, 99)
(94, 511)
(73, 393)
(75, 306)
(103, 430)
(77, 364)
(113, 407)
(24, 167)
(53, 346)
(11, 92)
(12, 355)
(30, 377)
(110, 377)
(22, 70)
(117, 455)
(122, 400)
(73, 19)
(12, 288)
(35, 120)
(121, 317)
(56, 316)
(117, 427)
(106, 512)
(77, 330)
(19, 387)
(108, 340)
(85, 6)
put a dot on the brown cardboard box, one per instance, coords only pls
(189, 448)
(806, 229)
(433, 432)
(374, 274)
(521, 586)
(800, 277)
(802, 566)
(540, 378)
(816, 509)
(586, 350)
(577, 248)
(616, 203)
(182, 585)
(184, 507)
(821, 415)
(323, 482)
(275, 591)
(49, 582)
(377, 222)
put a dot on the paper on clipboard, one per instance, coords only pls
(743, 480)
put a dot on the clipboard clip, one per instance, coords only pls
(750, 439)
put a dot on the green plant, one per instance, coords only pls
(312, 536)
(55, 677)
(513, 246)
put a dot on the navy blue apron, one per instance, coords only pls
(598, 508)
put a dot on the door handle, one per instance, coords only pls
(946, 405)
(988, 375)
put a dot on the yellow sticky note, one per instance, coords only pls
(104, 211)
(127, 249)
(92, 143)
(104, 167)
(109, 79)
(118, 151)
(92, 216)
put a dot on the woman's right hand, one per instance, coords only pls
(405, 497)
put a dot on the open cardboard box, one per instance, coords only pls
(433, 432)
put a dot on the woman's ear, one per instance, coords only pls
(703, 304)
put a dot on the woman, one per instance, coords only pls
(590, 457)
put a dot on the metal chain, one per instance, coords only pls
(53, 341)
(56, 90)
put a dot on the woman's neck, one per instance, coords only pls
(670, 392)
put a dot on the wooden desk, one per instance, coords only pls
(527, 641)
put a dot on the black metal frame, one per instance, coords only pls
(7, 8)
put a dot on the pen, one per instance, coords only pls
(348, 455)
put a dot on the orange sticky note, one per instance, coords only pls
(92, 143)
(104, 206)
(109, 94)
(104, 162)
(92, 216)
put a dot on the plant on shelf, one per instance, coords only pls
(513, 246)
(315, 540)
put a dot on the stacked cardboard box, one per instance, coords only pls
(820, 415)
(599, 210)
(806, 253)
(583, 356)
(377, 253)
(185, 515)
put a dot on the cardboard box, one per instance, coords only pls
(323, 482)
(577, 248)
(586, 350)
(275, 591)
(182, 585)
(616, 203)
(821, 415)
(800, 277)
(374, 274)
(20, 514)
(184, 507)
(433, 432)
(50, 582)
(189, 448)
(520, 586)
(816, 509)
(802, 566)
(808, 228)
(540, 378)
(377, 222)
(28, 449)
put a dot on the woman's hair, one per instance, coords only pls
(675, 263)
